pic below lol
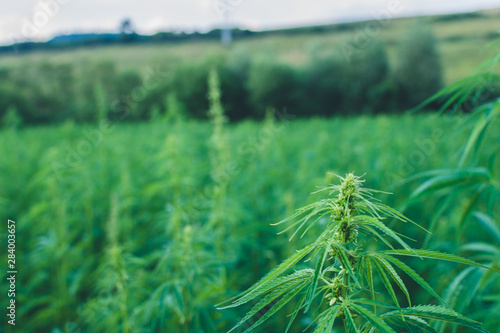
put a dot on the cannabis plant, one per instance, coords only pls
(343, 283)
(471, 188)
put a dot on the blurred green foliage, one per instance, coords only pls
(328, 84)
(418, 69)
(113, 230)
(144, 227)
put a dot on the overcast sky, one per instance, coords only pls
(42, 19)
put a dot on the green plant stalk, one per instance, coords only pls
(174, 186)
(220, 148)
(118, 263)
(62, 236)
(220, 158)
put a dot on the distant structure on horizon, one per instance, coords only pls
(226, 35)
(126, 27)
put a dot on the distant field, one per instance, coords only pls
(462, 44)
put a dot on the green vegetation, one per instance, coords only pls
(418, 69)
(344, 271)
(473, 182)
(113, 221)
(145, 226)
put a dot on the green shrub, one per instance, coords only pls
(334, 86)
(418, 66)
(276, 85)
(324, 82)
(368, 89)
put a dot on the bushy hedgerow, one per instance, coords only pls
(326, 85)
(276, 85)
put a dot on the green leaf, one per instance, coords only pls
(421, 175)
(391, 212)
(455, 289)
(461, 290)
(254, 291)
(410, 323)
(411, 273)
(369, 276)
(436, 255)
(302, 210)
(486, 248)
(291, 292)
(477, 134)
(307, 218)
(327, 319)
(317, 272)
(372, 318)
(344, 260)
(314, 222)
(313, 209)
(394, 276)
(386, 282)
(456, 93)
(295, 278)
(489, 224)
(468, 208)
(443, 206)
(374, 233)
(267, 300)
(294, 314)
(351, 326)
(374, 303)
(450, 178)
(376, 223)
(437, 313)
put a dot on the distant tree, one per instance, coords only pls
(418, 68)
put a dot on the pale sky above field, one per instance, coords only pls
(42, 19)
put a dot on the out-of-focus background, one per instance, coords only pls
(146, 147)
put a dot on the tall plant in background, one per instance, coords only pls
(219, 144)
(176, 279)
(11, 119)
(101, 102)
(174, 109)
(219, 148)
(189, 270)
(118, 275)
(343, 282)
(474, 183)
